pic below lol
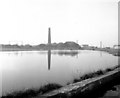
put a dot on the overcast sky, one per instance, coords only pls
(88, 21)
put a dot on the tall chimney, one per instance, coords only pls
(49, 36)
(49, 48)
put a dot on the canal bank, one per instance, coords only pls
(94, 87)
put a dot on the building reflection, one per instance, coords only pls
(49, 59)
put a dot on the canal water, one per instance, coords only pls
(21, 70)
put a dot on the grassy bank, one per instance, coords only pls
(32, 92)
(89, 88)
(107, 90)
(49, 87)
(98, 89)
(95, 74)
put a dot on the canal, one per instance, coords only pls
(21, 70)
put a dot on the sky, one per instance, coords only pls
(82, 21)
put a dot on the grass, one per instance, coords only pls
(49, 87)
(95, 74)
(89, 75)
(32, 92)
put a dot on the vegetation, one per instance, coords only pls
(34, 92)
(67, 45)
(95, 74)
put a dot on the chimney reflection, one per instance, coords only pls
(49, 59)
(49, 48)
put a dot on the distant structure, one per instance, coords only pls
(49, 37)
(100, 44)
(15, 42)
(77, 41)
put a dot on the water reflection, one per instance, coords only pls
(100, 53)
(61, 53)
(49, 59)
(16, 53)
(68, 53)
(31, 66)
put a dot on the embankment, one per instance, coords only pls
(90, 88)
(92, 84)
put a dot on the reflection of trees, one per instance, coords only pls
(15, 53)
(61, 53)
(68, 53)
